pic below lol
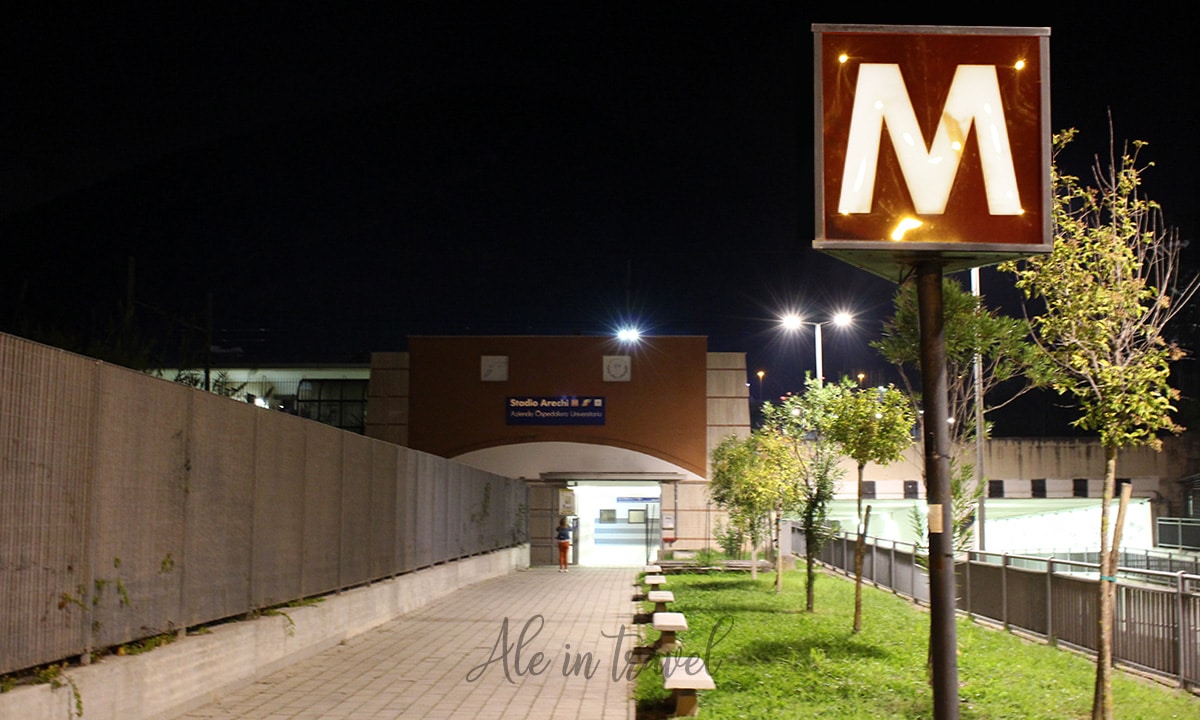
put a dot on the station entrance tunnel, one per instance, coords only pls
(616, 523)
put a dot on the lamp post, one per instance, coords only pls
(793, 321)
(761, 374)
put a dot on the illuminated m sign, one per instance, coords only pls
(974, 99)
(963, 176)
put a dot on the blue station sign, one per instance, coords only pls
(532, 410)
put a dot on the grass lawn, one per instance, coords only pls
(770, 659)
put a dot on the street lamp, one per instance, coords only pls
(629, 334)
(761, 374)
(793, 321)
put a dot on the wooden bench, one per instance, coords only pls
(683, 676)
(668, 623)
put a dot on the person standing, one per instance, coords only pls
(563, 536)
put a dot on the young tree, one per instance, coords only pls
(731, 487)
(1005, 355)
(870, 425)
(971, 328)
(803, 421)
(1109, 287)
(781, 476)
(964, 496)
(755, 478)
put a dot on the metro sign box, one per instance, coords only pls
(932, 143)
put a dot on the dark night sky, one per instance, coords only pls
(342, 179)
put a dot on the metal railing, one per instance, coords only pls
(1156, 616)
(1157, 560)
(1182, 533)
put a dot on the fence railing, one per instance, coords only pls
(1157, 560)
(1156, 618)
(1182, 533)
(132, 506)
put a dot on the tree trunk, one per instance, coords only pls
(809, 562)
(753, 560)
(858, 553)
(1102, 703)
(860, 548)
(779, 550)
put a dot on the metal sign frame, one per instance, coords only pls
(965, 233)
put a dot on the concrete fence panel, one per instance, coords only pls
(424, 505)
(132, 506)
(46, 448)
(355, 522)
(138, 493)
(382, 544)
(322, 508)
(278, 546)
(220, 509)
(440, 517)
(407, 505)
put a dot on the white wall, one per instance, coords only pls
(1076, 529)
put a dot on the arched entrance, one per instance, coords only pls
(619, 498)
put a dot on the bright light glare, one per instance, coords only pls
(794, 322)
(629, 334)
(904, 226)
(843, 58)
(1020, 65)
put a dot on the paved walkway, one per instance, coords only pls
(434, 662)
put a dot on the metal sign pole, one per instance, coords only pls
(942, 641)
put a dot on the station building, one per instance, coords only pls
(614, 435)
(618, 436)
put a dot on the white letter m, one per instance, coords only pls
(974, 97)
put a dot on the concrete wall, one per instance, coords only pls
(131, 507)
(1059, 461)
(388, 398)
(197, 669)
